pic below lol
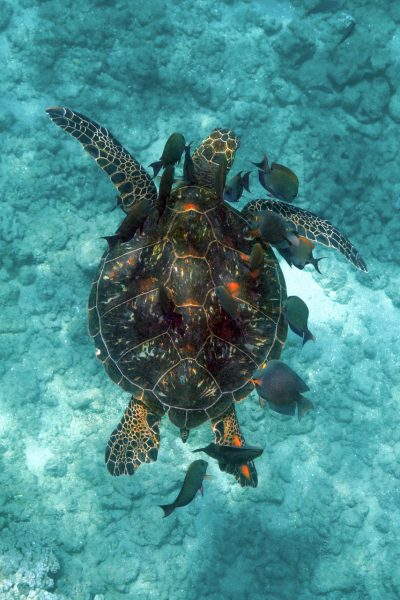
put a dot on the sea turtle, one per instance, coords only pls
(155, 310)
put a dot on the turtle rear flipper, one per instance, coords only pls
(310, 226)
(136, 440)
(227, 433)
(129, 177)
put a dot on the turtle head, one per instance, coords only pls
(218, 147)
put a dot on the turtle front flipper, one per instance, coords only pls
(310, 226)
(135, 441)
(221, 143)
(128, 176)
(227, 433)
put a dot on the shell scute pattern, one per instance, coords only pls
(194, 371)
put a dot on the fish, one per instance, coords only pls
(256, 261)
(281, 387)
(189, 174)
(192, 483)
(301, 255)
(168, 306)
(134, 219)
(167, 180)
(220, 178)
(278, 180)
(273, 229)
(171, 154)
(296, 314)
(347, 32)
(228, 302)
(237, 455)
(235, 186)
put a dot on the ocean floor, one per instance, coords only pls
(324, 519)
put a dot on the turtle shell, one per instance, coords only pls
(192, 360)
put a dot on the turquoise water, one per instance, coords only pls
(324, 519)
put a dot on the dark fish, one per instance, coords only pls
(296, 314)
(256, 260)
(235, 186)
(278, 180)
(220, 178)
(347, 32)
(228, 302)
(193, 482)
(237, 455)
(273, 229)
(281, 387)
(189, 174)
(167, 306)
(263, 165)
(167, 180)
(134, 219)
(172, 153)
(301, 255)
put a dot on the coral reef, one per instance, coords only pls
(323, 521)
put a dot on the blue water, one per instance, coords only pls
(324, 519)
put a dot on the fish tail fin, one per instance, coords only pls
(303, 406)
(308, 336)
(156, 166)
(199, 450)
(111, 240)
(315, 262)
(245, 179)
(263, 165)
(167, 508)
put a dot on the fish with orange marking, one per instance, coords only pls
(256, 261)
(246, 471)
(274, 230)
(301, 255)
(233, 288)
(255, 381)
(282, 388)
(234, 455)
(228, 302)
